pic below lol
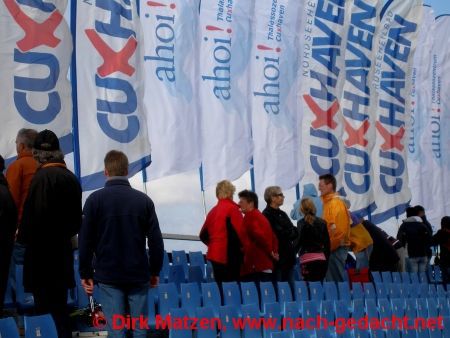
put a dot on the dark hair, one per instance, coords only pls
(116, 163)
(328, 178)
(250, 197)
(445, 222)
(2, 164)
(411, 211)
(419, 208)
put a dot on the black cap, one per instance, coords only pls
(2, 164)
(46, 140)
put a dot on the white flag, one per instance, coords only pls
(276, 120)
(35, 54)
(171, 95)
(110, 75)
(358, 119)
(395, 47)
(323, 72)
(225, 49)
(436, 139)
(421, 83)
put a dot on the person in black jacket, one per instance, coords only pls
(117, 222)
(51, 216)
(421, 213)
(286, 233)
(442, 238)
(8, 224)
(314, 243)
(384, 257)
(417, 237)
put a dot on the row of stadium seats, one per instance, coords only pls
(243, 302)
(35, 326)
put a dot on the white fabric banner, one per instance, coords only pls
(322, 78)
(421, 83)
(358, 119)
(35, 54)
(171, 95)
(226, 44)
(276, 120)
(110, 81)
(395, 46)
(436, 139)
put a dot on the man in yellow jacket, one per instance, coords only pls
(338, 222)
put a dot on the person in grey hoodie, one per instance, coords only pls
(309, 191)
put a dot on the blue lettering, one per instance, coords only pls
(39, 4)
(114, 28)
(361, 170)
(389, 172)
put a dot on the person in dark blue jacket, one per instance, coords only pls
(117, 222)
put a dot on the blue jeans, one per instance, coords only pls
(123, 300)
(336, 265)
(363, 257)
(416, 264)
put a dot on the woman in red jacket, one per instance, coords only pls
(223, 234)
(262, 244)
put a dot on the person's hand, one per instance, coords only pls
(88, 285)
(275, 256)
(154, 281)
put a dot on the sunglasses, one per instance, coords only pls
(279, 195)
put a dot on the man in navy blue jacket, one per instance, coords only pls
(117, 220)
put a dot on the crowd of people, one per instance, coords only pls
(121, 246)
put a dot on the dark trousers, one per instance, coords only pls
(223, 273)
(53, 300)
(314, 271)
(284, 275)
(6, 247)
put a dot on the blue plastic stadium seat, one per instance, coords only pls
(432, 290)
(393, 290)
(25, 300)
(344, 291)
(422, 307)
(386, 276)
(396, 277)
(357, 291)
(167, 298)
(164, 274)
(152, 301)
(398, 306)
(371, 308)
(190, 298)
(342, 308)
(303, 334)
(183, 332)
(9, 300)
(406, 277)
(330, 289)
(433, 307)
(207, 313)
(290, 314)
(358, 333)
(423, 277)
(176, 275)
(8, 328)
(411, 307)
(272, 311)
(40, 326)
(282, 334)
(422, 290)
(284, 292)
(251, 311)
(413, 277)
(196, 258)
(195, 274)
(179, 258)
(380, 288)
(211, 297)
(327, 310)
(369, 291)
(209, 273)
(377, 333)
(358, 309)
(376, 277)
(384, 308)
(310, 308)
(249, 293)
(440, 291)
(267, 293)
(301, 291)
(231, 294)
(443, 307)
(228, 313)
(315, 291)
